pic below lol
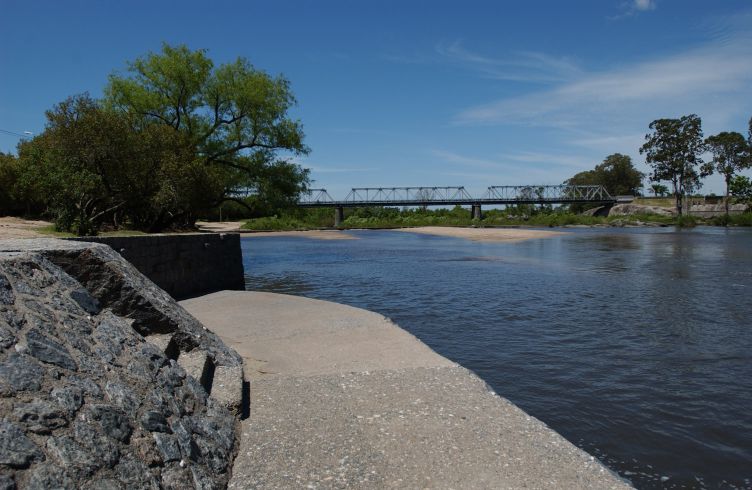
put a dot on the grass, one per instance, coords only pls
(50, 230)
(664, 202)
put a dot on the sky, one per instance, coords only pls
(417, 93)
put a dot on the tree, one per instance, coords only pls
(619, 176)
(92, 165)
(674, 150)
(233, 117)
(741, 188)
(659, 189)
(731, 154)
(8, 180)
(616, 174)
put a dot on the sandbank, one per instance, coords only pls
(485, 234)
(314, 234)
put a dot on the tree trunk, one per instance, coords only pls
(727, 199)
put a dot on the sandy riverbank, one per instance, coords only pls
(314, 234)
(484, 234)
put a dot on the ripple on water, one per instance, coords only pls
(634, 344)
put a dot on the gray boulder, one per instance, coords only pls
(87, 400)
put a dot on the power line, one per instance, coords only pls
(5, 131)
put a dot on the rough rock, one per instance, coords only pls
(86, 401)
(628, 210)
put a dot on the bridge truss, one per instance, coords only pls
(437, 196)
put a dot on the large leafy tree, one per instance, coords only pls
(233, 116)
(674, 151)
(92, 165)
(731, 154)
(616, 173)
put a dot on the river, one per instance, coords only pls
(634, 344)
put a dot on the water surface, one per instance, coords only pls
(635, 344)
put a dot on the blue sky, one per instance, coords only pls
(397, 93)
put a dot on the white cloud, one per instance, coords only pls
(633, 7)
(643, 5)
(712, 81)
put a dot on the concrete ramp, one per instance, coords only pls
(343, 398)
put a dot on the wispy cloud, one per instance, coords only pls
(700, 80)
(523, 66)
(456, 158)
(548, 159)
(338, 170)
(518, 65)
(644, 5)
(513, 168)
(634, 7)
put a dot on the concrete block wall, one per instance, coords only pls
(184, 265)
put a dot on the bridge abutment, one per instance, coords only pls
(339, 215)
(475, 212)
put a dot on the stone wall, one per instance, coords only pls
(105, 381)
(712, 210)
(183, 265)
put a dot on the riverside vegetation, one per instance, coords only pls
(381, 217)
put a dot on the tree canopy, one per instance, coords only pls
(233, 116)
(731, 154)
(674, 151)
(616, 173)
(172, 138)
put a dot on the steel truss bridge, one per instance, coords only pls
(442, 196)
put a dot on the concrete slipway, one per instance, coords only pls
(343, 398)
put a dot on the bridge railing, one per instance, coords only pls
(546, 193)
(407, 194)
(315, 196)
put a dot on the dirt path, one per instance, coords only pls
(11, 227)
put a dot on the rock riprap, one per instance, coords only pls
(93, 391)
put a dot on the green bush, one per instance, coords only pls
(685, 221)
(744, 219)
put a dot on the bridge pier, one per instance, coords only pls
(475, 212)
(339, 215)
